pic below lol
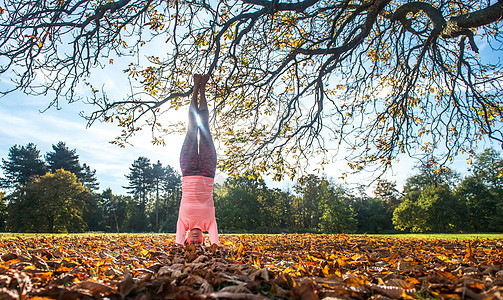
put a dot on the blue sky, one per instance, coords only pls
(22, 123)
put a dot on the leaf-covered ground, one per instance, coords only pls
(250, 267)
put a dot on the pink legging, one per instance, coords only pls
(204, 161)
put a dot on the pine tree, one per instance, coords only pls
(140, 180)
(23, 163)
(64, 158)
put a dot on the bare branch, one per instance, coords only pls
(291, 80)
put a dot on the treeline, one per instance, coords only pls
(56, 193)
(434, 200)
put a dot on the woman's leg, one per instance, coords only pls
(207, 152)
(189, 158)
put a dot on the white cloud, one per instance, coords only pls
(22, 123)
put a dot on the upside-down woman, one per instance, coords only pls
(198, 161)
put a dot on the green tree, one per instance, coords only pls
(429, 204)
(338, 216)
(277, 211)
(3, 212)
(137, 219)
(63, 158)
(307, 207)
(93, 213)
(53, 203)
(488, 167)
(169, 202)
(164, 182)
(22, 165)
(481, 204)
(115, 214)
(443, 211)
(320, 205)
(88, 178)
(386, 77)
(387, 192)
(409, 215)
(497, 220)
(378, 211)
(110, 205)
(169, 207)
(152, 187)
(483, 192)
(246, 204)
(372, 215)
(149, 182)
(238, 204)
(140, 180)
(436, 209)
(430, 176)
(158, 173)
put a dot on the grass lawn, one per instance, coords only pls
(459, 236)
(12, 235)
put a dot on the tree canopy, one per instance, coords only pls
(63, 158)
(52, 203)
(22, 164)
(440, 202)
(290, 79)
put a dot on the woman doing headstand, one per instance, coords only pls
(198, 162)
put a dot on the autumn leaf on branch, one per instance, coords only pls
(292, 81)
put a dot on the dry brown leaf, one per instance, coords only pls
(236, 289)
(240, 296)
(9, 256)
(8, 294)
(96, 288)
(304, 292)
(271, 266)
(260, 274)
(391, 291)
(126, 285)
(206, 288)
(399, 283)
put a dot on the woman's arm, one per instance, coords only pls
(213, 232)
(180, 232)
